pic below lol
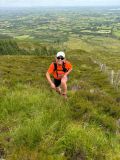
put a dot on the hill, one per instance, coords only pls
(36, 123)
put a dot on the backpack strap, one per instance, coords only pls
(63, 66)
(64, 69)
(55, 68)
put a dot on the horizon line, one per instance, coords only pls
(60, 6)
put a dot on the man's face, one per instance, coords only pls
(60, 60)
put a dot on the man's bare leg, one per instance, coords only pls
(64, 85)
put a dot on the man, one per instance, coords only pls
(60, 70)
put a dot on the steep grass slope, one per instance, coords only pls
(38, 124)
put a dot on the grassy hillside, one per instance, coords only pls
(36, 123)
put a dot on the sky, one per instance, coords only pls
(33, 3)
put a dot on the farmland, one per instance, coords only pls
(96, 30)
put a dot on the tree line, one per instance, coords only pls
(10, 47)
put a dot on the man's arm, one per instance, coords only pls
(68, 72)
(50, 81)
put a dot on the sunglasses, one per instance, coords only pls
(60, 57)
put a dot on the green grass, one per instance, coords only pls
(23, 37)
(87, 142)
(117, 33)
(36, 123)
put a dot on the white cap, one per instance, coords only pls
(60, 54)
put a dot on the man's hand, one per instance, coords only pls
(50, 81)
(53, 86)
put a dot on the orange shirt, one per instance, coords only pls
(59, 73)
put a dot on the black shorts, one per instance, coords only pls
(57, 82)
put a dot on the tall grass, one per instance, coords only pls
(38, 124)
(88, 142)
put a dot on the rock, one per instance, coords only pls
(75, 88)
(92, 90)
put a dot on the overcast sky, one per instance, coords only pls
(30, 3)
